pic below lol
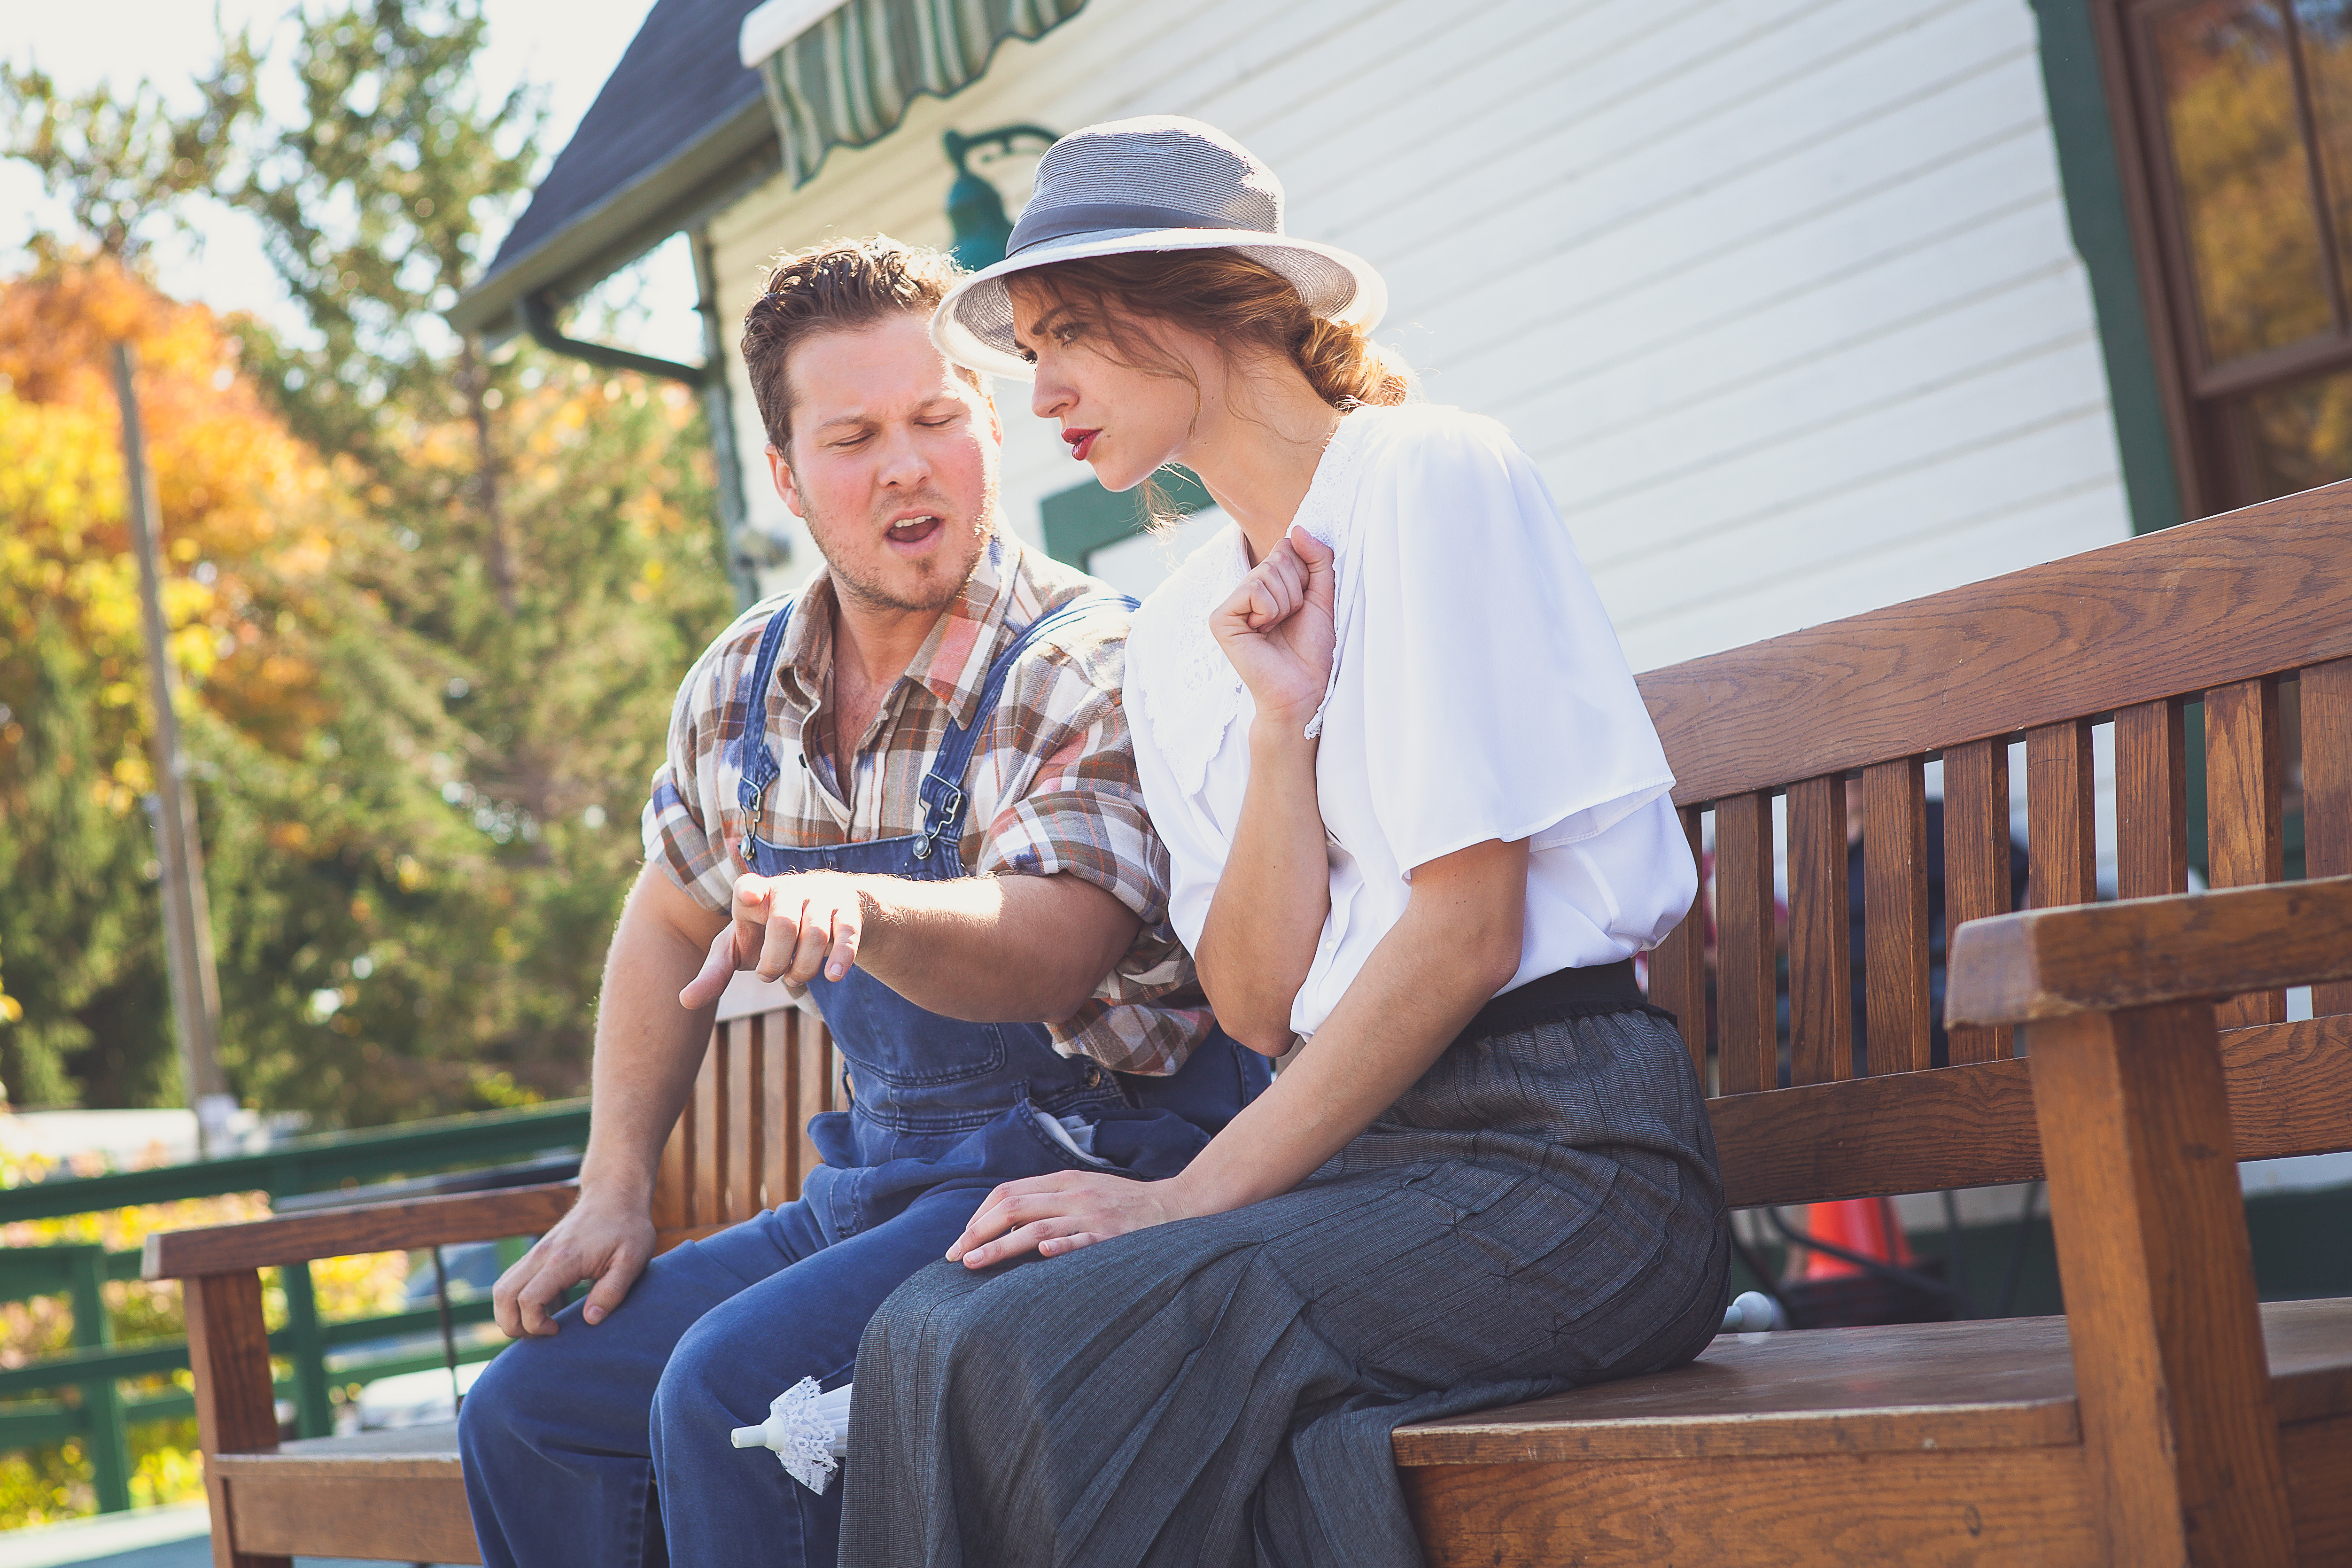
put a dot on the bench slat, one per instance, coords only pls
(779, 1181)
(1678, 965)
(1977, 865)
(707, 1202)
(743, 1108)
(2326, 697)
(429, 1449)
(2151, 799)
(673, 1178)
(1821, 993)
(397, 1510)
(2245, 818)
(815, 1080)
(1998, 1383)
(1995, 1384)
(2062, 845)
(1895, 914)
(1981, 1506)
(1749, 1051)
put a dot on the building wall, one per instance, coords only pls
(1778, 293)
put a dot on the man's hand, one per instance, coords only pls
(1063, 1211)
(606, 1242)
(788, 929)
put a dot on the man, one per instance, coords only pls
(911, 792)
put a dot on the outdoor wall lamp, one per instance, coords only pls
(975, 211)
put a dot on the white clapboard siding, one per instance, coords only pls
(1777, 293)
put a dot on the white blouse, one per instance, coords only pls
(1478, 692)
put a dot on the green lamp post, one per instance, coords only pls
(975, 211)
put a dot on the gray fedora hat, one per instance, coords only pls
(1158, 183)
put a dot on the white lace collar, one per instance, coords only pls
(1188, 693)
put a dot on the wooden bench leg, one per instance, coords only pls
(237, 1413)
(2150, 1226)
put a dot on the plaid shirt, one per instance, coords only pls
(1052, 786)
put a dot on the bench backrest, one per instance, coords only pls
(742, 1144)
(2249, 613)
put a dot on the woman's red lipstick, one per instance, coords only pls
(1081, 442)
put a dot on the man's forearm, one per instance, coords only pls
(993, 949)
(647, 1045)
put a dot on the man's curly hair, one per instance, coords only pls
(848, 283)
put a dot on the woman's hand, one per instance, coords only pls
(1278, 628)
(1061, 1213)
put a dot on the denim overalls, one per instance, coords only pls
(560, 1455)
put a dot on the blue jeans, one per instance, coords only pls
(563, 1467)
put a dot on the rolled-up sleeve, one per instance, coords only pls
(1083, 816)
(681, 825)
(1073, 806)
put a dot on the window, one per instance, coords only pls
(2242, 115)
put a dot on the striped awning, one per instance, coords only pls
(842, 75)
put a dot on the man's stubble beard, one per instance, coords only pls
(872, 596)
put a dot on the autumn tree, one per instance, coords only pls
(124, 164)
(454, 641)
(258, 527)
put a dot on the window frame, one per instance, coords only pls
(2213, 458)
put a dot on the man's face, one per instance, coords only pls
(893, 463)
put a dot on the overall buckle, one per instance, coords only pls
(944, 813)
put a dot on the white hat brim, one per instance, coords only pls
(973, 325)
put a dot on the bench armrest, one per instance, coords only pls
(339, 1233)
(2172, 1383)
(2045, 964)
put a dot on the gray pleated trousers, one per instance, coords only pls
(1540, 1210)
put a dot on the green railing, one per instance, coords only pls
(98, 1413)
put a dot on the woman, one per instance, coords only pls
(1416, 814)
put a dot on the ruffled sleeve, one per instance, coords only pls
(1184, 701)
(1499, 703)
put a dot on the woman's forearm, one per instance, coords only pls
(1268, 913)
(1456, 944)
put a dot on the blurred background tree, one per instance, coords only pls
(123, 164)
(430, 603)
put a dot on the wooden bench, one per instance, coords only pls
(1944, 1443)
(740, 1147)
(2145, 1428)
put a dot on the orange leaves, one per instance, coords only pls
(247, 509)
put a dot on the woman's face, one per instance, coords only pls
(1124, 419)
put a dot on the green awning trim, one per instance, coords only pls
(848, 80)
(1086, 517)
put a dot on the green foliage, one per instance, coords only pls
(75, 872)
(42, 1486)
(123, 163)
(374, 205)
(427, 674)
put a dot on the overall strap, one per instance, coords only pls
(754, 760)
(942, 787)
